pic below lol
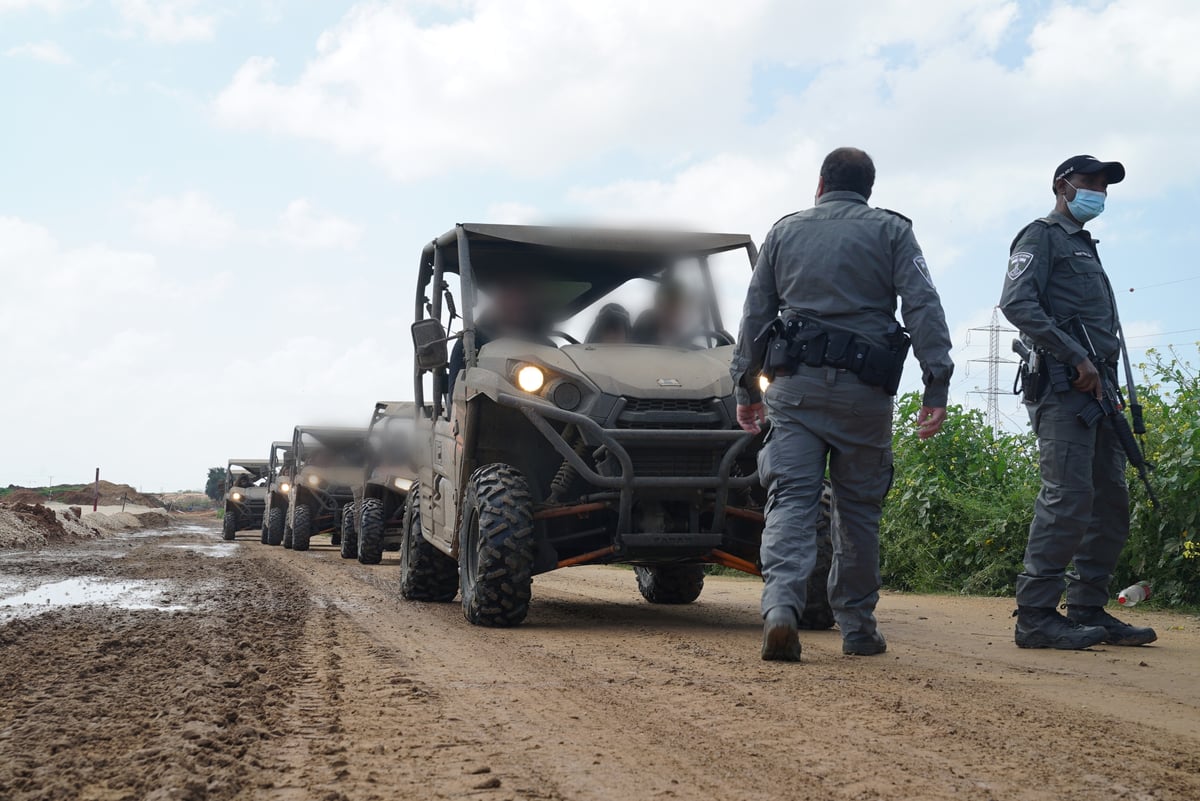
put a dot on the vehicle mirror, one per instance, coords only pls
(429, 343)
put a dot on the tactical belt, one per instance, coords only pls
(799, 342)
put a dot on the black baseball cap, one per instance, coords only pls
(1087, 165)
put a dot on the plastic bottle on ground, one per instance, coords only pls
(1134, 594)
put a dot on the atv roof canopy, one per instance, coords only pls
(597, 259)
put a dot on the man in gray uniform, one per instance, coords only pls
(1056, 290)
(820, 318)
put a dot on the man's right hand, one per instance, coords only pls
(1087, 378)
(751, 416)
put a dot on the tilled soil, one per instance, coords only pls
(284, 675)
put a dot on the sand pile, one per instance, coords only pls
(26, 525)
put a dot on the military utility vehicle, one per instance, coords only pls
(245, 495)
(279, 489)
(328, 464)
(538, 451)
(374, 523)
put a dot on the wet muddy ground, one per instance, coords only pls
(174, 666)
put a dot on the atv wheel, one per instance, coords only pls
(349, 541)
(262, 535)
(275, 522)
(818, 614)
(670, 584)
(426, 574)
(229, 525)
(370, 532)
(302, 527)
(496, 547)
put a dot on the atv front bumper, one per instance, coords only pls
(629, 480)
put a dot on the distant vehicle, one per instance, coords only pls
(375, 522)
(279, 488)
(245, 496)
(328, 464)
(534, 456)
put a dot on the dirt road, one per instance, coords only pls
(197, 671)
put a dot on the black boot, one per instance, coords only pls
(864, 645)
(1117, 632)
(1044, 627)
(781, 639)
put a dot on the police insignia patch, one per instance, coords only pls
(923, 269)
(1019, 263)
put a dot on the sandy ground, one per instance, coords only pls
(201, 670)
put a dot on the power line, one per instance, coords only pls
(1166, 283)
(1165, 333)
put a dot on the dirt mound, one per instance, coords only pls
(38, 519)
(110, 495)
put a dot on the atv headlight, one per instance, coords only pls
(285, 488)
(237, 496)
(763, 383)
(530, 377)
(403, 484)
(314, 480)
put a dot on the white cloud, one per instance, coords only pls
(189, 219)
(52, 6)
(302, 226)
(192, 220)
(167, 21)
(46, 52)
(528, 86)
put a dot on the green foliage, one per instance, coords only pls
(958, 514)
(214, 487)
(1163, 547)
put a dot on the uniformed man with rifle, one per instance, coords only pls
(1057, 294)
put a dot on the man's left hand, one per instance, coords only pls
(751, 416)
(929, 421)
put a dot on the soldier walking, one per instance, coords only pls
(1057, 293)
(820, 321)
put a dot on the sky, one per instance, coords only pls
(211, 212)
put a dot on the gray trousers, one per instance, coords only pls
(1082, 512)
(821, 418)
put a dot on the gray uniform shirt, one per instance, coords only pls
(1054, 274)
(842, 264)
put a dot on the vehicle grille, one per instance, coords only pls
(660, 461)
(672, 413)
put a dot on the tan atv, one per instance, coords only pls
(535, 455)
(375, 522)
(328, 464)
(279, 487)
(245, 496)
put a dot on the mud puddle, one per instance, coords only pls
(87, 591)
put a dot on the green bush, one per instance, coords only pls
(1163, 548)
(958, 514)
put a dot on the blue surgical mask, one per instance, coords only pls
(1087, 204)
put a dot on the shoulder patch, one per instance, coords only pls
(1018, 263)
(895, 214)
(923, 269)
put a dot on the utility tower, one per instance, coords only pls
(993, 362)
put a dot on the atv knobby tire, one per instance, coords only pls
(426, 574)
(349, 543)
(818, 614)
(496, 547)
(275, 524)
(229, 525)
(670, 584)
(302, 527)
(370, 532)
